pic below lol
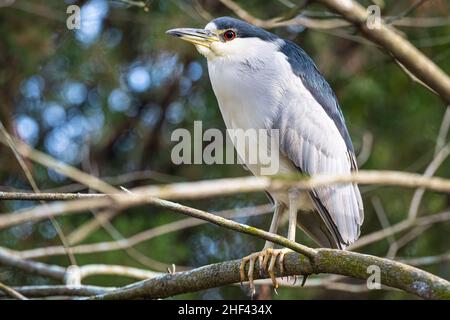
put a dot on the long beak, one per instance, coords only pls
(199, 37)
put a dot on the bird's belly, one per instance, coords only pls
(283, 167)
(240, 115)
(241, 125)
(246, 121)
(303, 201)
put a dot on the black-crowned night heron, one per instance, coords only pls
(264, 82)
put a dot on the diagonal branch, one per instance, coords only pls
(129, 243)
(402, 50)
(419, 67)
(393, 274)
(8, 291)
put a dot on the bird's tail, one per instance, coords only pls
(311, 223)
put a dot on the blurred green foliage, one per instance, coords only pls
(107, 97)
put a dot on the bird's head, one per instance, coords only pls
(228, 38)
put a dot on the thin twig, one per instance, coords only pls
(61, 291)
(382, 217)
(211, 188)
(11, 292)
(443, 131)
(128, 243)
(399, 227)
(34, 186)
(366, 149)
(405, 239)
(77, 175)
(406, 12)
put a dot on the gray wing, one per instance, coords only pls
(310, 139)
(304, 67)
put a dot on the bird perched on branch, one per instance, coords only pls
(264, 82)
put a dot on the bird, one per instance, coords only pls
(262, 81)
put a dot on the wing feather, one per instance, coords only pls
(314, 145)
(315, 139)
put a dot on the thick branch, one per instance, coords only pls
(415, 63)
(406, 53)
(393, 274)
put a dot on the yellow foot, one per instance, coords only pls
(267, 260)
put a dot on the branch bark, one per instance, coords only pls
(393, 274)
(415, 63)
(51, 271)
(60, 291)
(207, 189)
(402, 50)
(10, 292)
(60, 274)
(134, 240)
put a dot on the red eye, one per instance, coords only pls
(229, 35)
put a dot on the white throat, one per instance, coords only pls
(240, 79)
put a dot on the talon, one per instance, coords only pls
(281, 263)
(242, 269)
(267, 259)
(261, 264)
(305, 276)
(251, 268)
(273, 259)
(267, 254)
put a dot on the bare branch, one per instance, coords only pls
(402, 50)
(77, 175)
(422, 68)
(59, 273)
(208, 189)
(408, 237)
(61, 291)
(366, 149)
(8, 291)
(399, 227)
(9, 141)
(105, 269)
(439, 158)
(8, 258)
(100, 220)
(382, 217)
(120, 244)
(443, 131)
(406, 12)
(427, 260)
(393, 274)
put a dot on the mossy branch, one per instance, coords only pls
(312, 261)
(393, 274)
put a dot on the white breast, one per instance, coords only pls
(252, 92)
